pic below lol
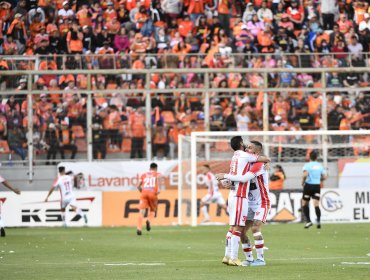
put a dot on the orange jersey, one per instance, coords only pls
(149, 182)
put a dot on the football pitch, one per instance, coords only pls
(337, 251)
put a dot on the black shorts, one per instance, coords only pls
(311, 191)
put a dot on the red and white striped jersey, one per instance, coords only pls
(211, 183)
(240, 164)
(65, 185)
(261, 195)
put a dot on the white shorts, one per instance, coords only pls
(238, 210)
(215, 198)
(68, 201)
(256, 212)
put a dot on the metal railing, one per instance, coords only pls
(206, 91)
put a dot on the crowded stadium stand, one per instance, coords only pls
(87, 46)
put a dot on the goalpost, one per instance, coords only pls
(292, 147)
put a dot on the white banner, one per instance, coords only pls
(354, 173)
(29, 209)
(118, 176)
(337, 205)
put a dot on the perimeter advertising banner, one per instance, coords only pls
(29, 209)
(354, 173)
(121, 208)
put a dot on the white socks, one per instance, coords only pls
(1, 223)
(205, 212)
(235, 239)
(259, 249)
(228, 244)
(247, 249)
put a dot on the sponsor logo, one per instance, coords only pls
(47, 214)
(331, 201)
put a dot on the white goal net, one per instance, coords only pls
(289, 148)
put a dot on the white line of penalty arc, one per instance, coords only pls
(183, 261)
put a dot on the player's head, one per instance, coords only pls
(153, 166)
(237, 143)
(61, 169)
(255, 147)
(313, 155)
(205, 168)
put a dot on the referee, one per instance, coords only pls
(313, 174)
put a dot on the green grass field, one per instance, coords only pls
(334, 252)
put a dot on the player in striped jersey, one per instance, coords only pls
(15, 190)
(214, 195)
(258, 208)
(238, 201)
(65, 184)
(149, 189)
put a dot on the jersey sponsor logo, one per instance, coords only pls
(331, 201)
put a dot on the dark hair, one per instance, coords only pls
(206, 166)
(153, 165)
(256, 143)
(235, 142)
(313, 155)
(61, 169)
(280, 168)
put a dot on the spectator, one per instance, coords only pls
(99, 141)
(137, 133)
(67, 140)
(277, 178)
(328, 9)
(217, 119)
(305, 120)
(160, 141)
(51, 143)
(243, 119)
(16, 140)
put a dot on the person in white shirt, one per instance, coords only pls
(265, 14)
(213, 196)
(65, 184)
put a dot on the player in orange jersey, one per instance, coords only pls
(149, 189)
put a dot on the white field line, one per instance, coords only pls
(134, 264)
(351, 263)
(113, 263)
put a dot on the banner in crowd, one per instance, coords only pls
(30, 210)
(354, 173)
(121, 208)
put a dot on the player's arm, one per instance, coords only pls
(49, 193)
(10, 187)
(304, 177)
(256, 170)
(254, 158)
(263, 159)
(139, 187)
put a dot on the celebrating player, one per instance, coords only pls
(213, 195)
(237, 201)
(149, 189)
(258, 206)
(313, 174)
(65, 184)
(10, 187)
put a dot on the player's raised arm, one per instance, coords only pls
(10, 187)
